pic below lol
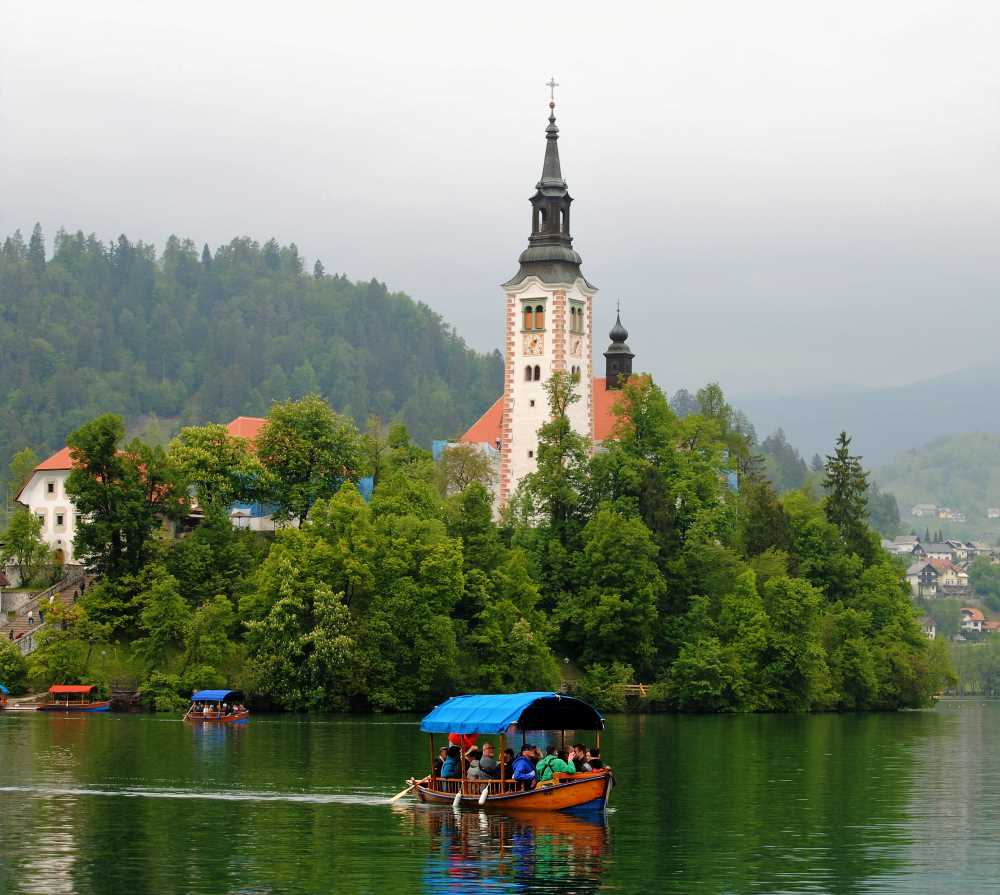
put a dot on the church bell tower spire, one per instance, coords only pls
(548, 331)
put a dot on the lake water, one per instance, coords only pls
(848, 804)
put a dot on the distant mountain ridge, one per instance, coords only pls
(883, 422)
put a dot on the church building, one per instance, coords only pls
(549, 329)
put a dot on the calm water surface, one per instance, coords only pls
(132, 804)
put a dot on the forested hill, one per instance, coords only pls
(195, 336)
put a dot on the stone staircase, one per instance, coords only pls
(21, 630)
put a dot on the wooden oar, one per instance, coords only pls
(400, 795)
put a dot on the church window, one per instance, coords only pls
(538, 372)
(531, 454)
(532, 402)
(527, 373)
(539, 317)
(528, 317)
(50, 487)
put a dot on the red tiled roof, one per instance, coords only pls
(59, 460)
(942, 565)
(991, 626)
(974, 614)
(247, 427)
(489, 426)
(604, 409)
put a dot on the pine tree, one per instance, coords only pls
(36, 248)
(817, 463)
(846, 503)
(318, 270)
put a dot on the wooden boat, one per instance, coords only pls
(217, 707)
(503, 714)
(73, 698)
(4, 693)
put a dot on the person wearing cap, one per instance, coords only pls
(452, 766)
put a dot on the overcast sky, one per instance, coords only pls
(782, 194)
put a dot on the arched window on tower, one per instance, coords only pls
(528, 317)
(538, 373)
(539, 317)
(527, 373)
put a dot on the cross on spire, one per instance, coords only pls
(552, 83)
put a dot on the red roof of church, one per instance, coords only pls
(247, 427)
(489, 426)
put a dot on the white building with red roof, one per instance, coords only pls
(44, 494)
(548, 329)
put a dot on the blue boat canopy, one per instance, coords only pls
(495, 713)
(4, 690)
(215, 695)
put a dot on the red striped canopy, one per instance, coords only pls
(61, 689)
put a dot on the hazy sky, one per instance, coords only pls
(782, 194)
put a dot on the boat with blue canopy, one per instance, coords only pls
(217, 707)
(509, 717)
(4, 693)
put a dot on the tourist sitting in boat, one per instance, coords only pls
(452, 766)
(553, 763)
(524, 768)
(488, 763)
(474, 772)
(207, 710)
(579, 758)
(439, 761)
(594, 759)
(508, 764)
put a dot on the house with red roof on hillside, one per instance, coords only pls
(44, 494)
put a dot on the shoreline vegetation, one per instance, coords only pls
(665, 558)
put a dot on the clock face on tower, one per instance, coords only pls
(533, 344)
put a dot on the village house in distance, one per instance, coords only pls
(548, 329)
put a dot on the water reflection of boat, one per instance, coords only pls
(527, 851)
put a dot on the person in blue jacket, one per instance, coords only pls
(452, 766)
(524, 768)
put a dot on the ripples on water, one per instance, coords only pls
(904, 803)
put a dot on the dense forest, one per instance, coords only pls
(199, 336)
(640, 563)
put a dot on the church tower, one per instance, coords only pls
(548, 324)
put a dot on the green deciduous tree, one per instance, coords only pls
(23, 545)
(13, 668)
(219, 467)
(307, 452)
(121, 494)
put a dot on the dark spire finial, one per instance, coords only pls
(618, 357)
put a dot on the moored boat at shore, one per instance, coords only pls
(506, 715)
(4, 693)
(217, 707)
(74, 698)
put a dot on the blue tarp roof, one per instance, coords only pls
(214, 695)
(4, 690)
(495, 713)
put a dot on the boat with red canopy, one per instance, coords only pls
(74, 698)
(513, 715)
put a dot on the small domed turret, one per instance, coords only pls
(618, 357)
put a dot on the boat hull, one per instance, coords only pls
(571, 792)
(73, 708)
(199, 718)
